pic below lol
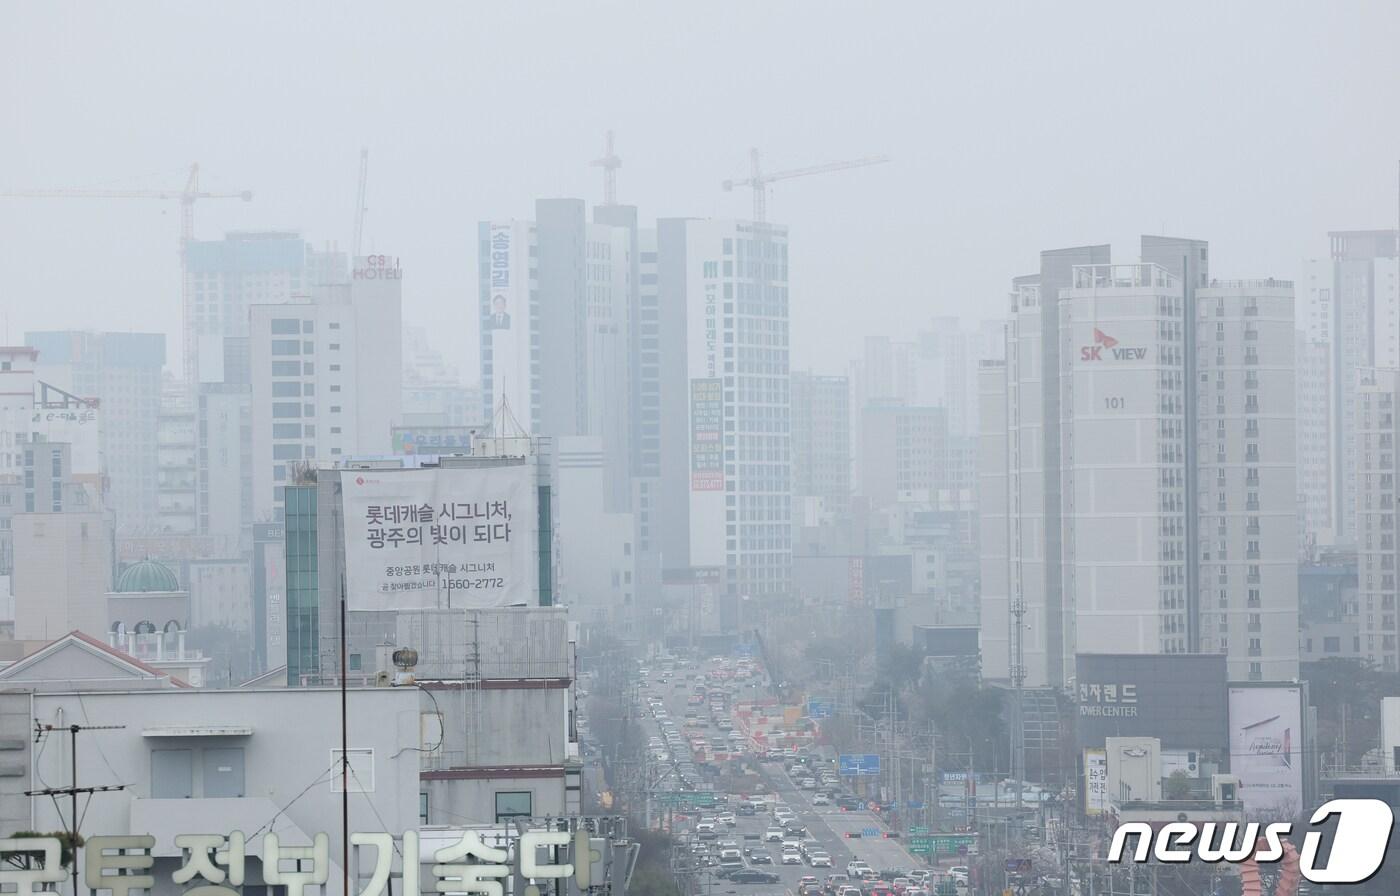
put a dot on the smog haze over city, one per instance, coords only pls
(707, 449)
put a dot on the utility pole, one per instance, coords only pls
(72, 790)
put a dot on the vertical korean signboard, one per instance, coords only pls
(1266, 750)
(505, 316)
(435, 538)
(706, 439)
(1095, 782)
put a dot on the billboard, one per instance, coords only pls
(432, 439)
(1266, 749)
(505, 316)
(1178, 698)
(78, 424)
(1095, 782)
(440, 538)
(706, 435)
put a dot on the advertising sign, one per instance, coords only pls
(1095, 782)
(1178, 698)
(505, 316)
(1266, 749)
(432, 439)
(706, 435)
(79, 425)
(435, 538)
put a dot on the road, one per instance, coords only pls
(828, 825)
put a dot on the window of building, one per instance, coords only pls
(286, 347)
(513, 804)
(282, 326)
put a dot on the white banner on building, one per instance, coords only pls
(1095, 782)
(440, 539)
(1266, 750)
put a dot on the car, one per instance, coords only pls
(752, 876)
(808, 783)
(855, 868)
(807, 880)
(705, 825)
(958, 873)
(727, 818)
(772, 835)
(821, 799)
(879, 889)
(792, 843)
(900, 884)
(746, 809)
(819, 859)
(849, 803)
(919, 876)
(792, 857)
(796, 830)
(849, 891)
(835, 882)
(760, 857)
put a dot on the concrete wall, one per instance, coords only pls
(288, 762)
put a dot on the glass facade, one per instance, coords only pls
(302, 584)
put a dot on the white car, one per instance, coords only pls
(821, 799)
(773, 835)
(792, 857)
(819, 859)
(727, 818)
(856, 868)
(958, 873)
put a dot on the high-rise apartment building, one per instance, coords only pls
(1172, 498)
(725, 434)
(1313, 404)
(1376, 394)
(326, 382)
(556, 300)
(906, 449)
(224, 278)
(122, 371)
(1352, 301)
(821, 439)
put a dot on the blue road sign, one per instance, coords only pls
(859, 765)
(820, 709)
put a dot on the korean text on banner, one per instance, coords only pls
(440, 538)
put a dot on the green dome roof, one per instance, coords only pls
(147, 575)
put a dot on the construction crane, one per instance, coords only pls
(760, 181)
(360, 201)
(610, 162)
(188, 196)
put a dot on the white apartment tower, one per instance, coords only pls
(1352, 301)
(1376, 393)
(1176, 510)
(1246, 481)
(327, 377)
(726, 446)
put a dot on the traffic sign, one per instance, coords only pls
(916, 829)
(859, 765)
(693, 799)
(820, 708)
(921, 845)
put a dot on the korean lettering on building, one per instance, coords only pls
(1110, 700)
(706, 435)
(217, 864)
(451, 538)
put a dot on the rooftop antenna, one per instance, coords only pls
(360, 201)
(610, 162)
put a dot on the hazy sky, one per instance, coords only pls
(1013, 127)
